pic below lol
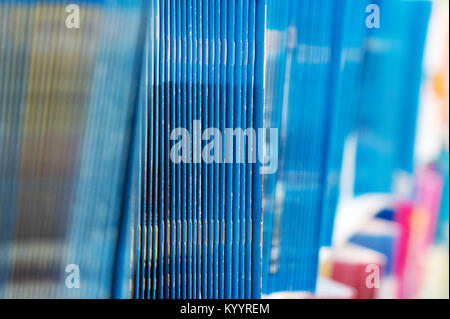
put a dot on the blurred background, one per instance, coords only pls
(359, 205)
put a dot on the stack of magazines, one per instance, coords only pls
(129, 137)
(198, 232)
